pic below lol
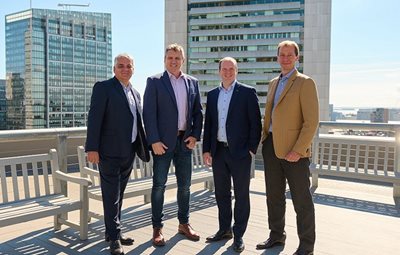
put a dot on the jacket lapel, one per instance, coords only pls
(234, 98)
(167, 83)
(289, 84)
(117, 86)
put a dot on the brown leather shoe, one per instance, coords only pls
(158, 237)
(188, 231)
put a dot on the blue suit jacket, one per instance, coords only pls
(110, 122)
(160, 110)
(243, 123)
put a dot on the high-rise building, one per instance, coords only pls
(3, 104)
(53, 58)
(249, 31)
(380, 115)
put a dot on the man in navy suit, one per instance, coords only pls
(173, 122)
(114, 134)
(232, 132)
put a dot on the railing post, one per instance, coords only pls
(62, 158)
(396, 187)
(314, 158)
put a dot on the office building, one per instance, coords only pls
(250, 31)
(53, 58)
(3, 104)
(380, 115)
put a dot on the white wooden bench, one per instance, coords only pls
(140, 183)
(31, 188)
(371, 159)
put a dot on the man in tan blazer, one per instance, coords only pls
(291, 120)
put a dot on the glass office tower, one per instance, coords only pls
(53, 59)
(249, 31)
(3, 104)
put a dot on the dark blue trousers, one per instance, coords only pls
(114, 175)
(225, 169)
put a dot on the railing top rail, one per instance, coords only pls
(360, 126)
(43, 133)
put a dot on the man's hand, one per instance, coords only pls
(292, 156)
(159, 148)
(207, 158)
(190, 142)
(93, 157)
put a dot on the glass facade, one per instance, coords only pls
(53, 59)
(3, 104)
(249, 31)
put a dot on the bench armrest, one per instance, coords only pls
(67, 177)
(90, 171)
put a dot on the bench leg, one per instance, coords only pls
(147, 198)
(57, 224)
(209, 185)
(84, 214)
(396, 191)
(314, 180)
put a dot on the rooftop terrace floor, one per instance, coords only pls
(351, 218)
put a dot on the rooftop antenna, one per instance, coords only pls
(68, 6)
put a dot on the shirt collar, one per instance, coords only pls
(230, 87)
(126, 88)
(171, 76)
(284, 77)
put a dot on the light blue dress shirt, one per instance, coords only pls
(132, 106)
(224, 99)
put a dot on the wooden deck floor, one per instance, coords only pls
(352, 218)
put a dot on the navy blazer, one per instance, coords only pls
(243, 123)
(110, 121)
(160, 110)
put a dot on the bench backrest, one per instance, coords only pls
(141, 169)
(376, 157)
(25, 177)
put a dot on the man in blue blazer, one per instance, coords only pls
(232, 132)
(173, 122)
(114, 134)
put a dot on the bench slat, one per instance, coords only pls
(46, 179)
(36, 179)
(31, 209)
(14, 177)
(3, 183)
(25, 181)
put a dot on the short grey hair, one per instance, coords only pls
(123, 55)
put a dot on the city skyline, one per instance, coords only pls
(365, 65)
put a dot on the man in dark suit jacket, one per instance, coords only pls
(114, 134)
(291, 120)
(173, 122)
(232, 132)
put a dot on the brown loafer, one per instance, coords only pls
(158, 237)
(188, 231)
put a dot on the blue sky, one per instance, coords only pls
(365, 50)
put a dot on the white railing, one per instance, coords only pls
(361, 157)
(24, 142)
(65, 140)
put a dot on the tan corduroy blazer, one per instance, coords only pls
(295, 117)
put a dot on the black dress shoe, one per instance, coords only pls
(124, 240)
(221, 234)
(271, 243)
(238, 244)
(303, 252)
(116, 248)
